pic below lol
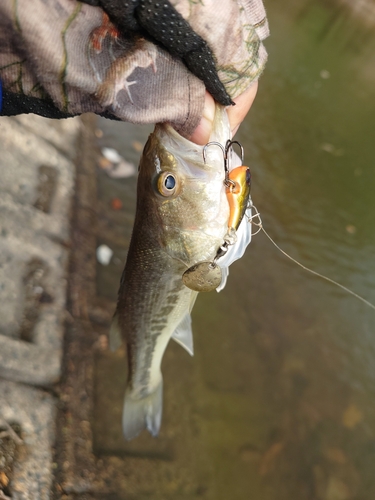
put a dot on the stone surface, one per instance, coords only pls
(34, 411)
(37, 178)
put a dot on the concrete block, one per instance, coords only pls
(36, 186)
(61, 134)
(32, 302)
(23, 151)
(34, 411)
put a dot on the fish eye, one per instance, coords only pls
(167, 184)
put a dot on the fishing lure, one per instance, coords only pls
(206, 276)
(237, 187)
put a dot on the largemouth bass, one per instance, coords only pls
(181, 218)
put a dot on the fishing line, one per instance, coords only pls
(333, 282)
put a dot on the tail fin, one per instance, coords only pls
(145, 413)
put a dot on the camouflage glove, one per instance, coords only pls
(160, 22)
(60, 58)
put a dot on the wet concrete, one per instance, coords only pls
(9, 440)
(34, 237)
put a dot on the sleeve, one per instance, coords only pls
(60, 58)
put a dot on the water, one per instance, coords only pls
(279, 400)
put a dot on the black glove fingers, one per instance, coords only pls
(200, 62)
(161, 20)
(121, 13)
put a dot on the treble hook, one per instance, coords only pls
(230, 143)
(225, 155)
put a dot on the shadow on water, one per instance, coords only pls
(279, 400)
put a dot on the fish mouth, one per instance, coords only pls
(187, 150)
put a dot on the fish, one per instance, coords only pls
(181, 218)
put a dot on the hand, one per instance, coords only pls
(236, 114)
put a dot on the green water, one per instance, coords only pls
(279, 400)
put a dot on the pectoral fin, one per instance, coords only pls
(183, 334)
(114, 334)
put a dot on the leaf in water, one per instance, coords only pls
(112, 155)
(352, 416)
(337, 490)
(104, 163)
(336, 455)
(138, 146)
(267, 461)
(116, 204)
(121, 170)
